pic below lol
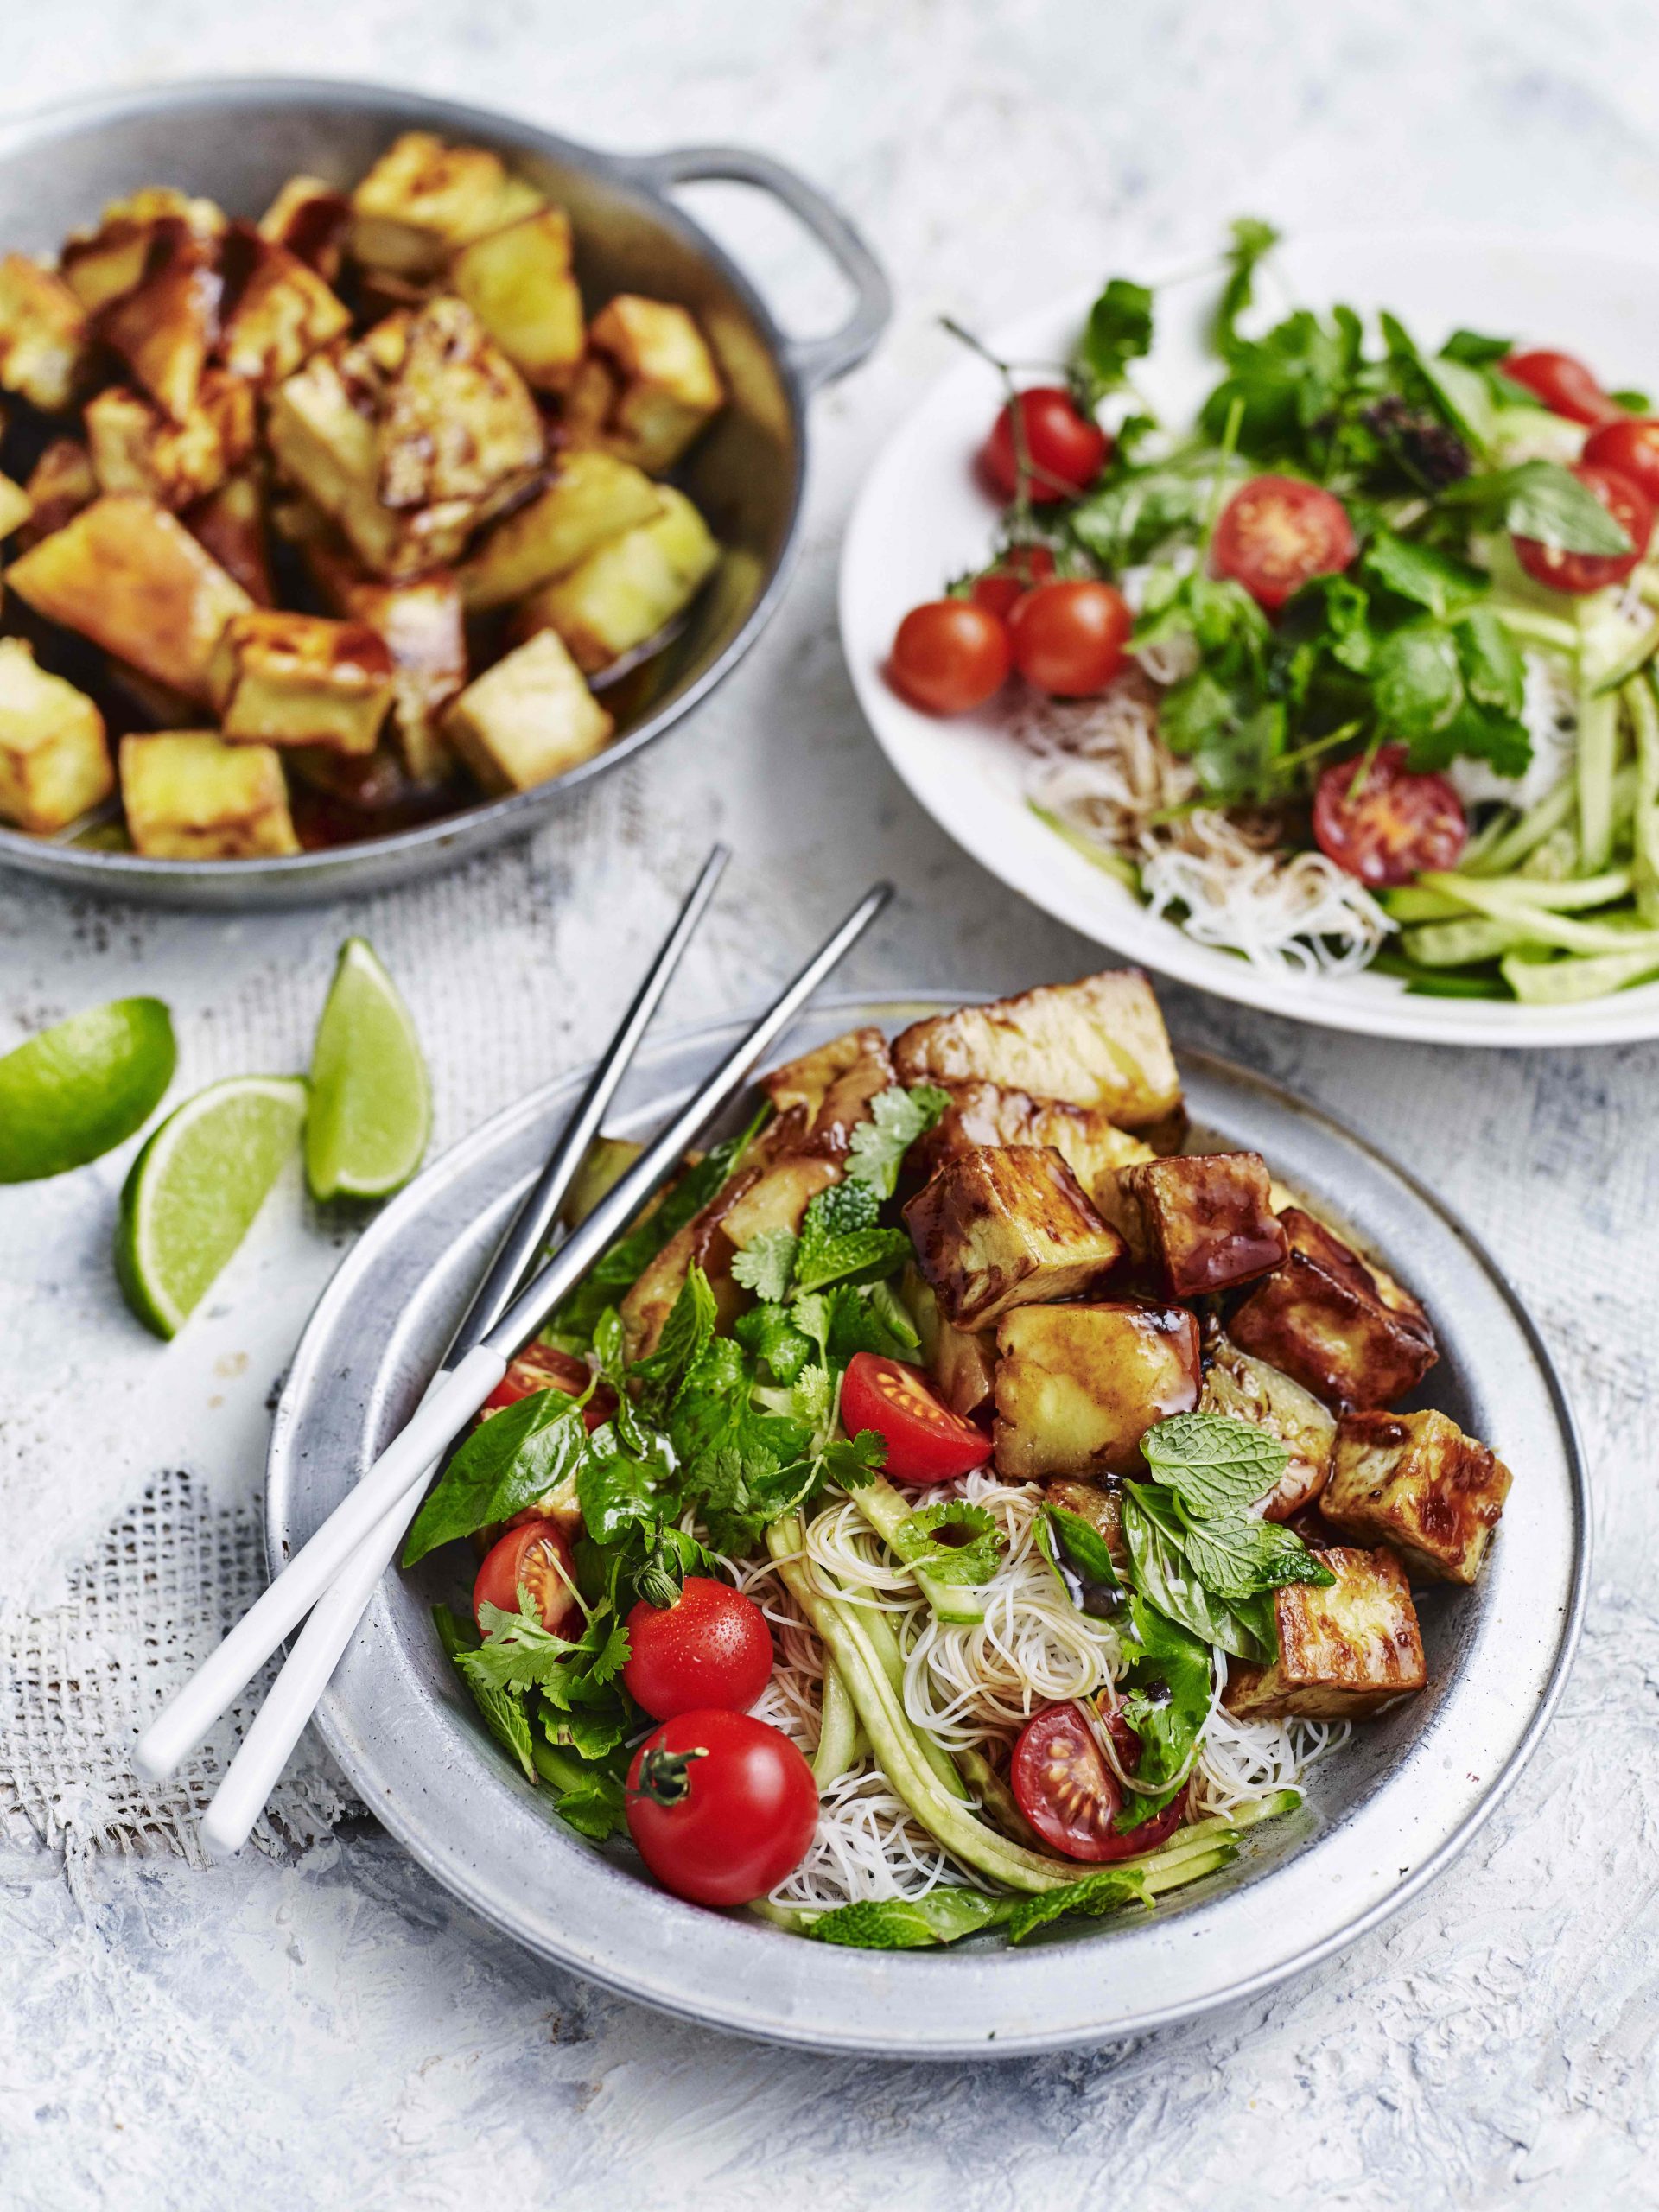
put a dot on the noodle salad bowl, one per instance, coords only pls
(1383, 1810)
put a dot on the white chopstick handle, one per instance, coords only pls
(402, 1469)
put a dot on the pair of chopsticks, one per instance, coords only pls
(334, 1574)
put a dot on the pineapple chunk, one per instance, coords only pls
(1199, 1222)
(646, 384)
(1088, 1140)
(43, 351)
(59, 485)
(231, 524)
(101, 265)
(137, 448)
(276, 312)
(962, 1362)
(190, 796)
(520, 285)
(1007, 1225)
(164, 327)
(622, 595)
(129, 576)
(592, 498)
(1350, 1335)
(1343, 1650)
(421, 624)
(15, 506)
(1416, 1482)
(422, 199)
(822, 1097)
(457, 421)
(311, 220)
(300, 679)
(1098, 1042)
(528, 719)
(1245, 1389)
(1077, 1386)
(53, 761)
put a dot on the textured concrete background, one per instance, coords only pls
(336, 2030)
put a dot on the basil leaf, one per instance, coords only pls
(1416, 681)
(1109, 1889)
(953, 1542)
(507, 1462)
(1430, 579)
(690, 1326)
(614, 1489)
(1213, 1462)
(1540, 498)
(1166, 1579)
(1476, 352)
(1166, 1690)
(1078, 1554)
(943, 1916)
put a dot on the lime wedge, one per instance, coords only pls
(77, 1089)
(195, 1188)
(371, 1104)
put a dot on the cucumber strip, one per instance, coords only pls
(996, 1798)
(1617, 673)
(1438, 983)
(956, 1603)
(1498, 825)
(837, 1731)
(1537, 892)
(872, 1624)
(1534, 627)
(1461, 943)
(1644, 827)
(1409, 902)
(1543, 817)
(1598, 756)
(1100, 856)
(1564, 982)
(1536, 925)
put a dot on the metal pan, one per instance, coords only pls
(237, 140)
(1384, 1816)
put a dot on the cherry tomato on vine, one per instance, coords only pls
(1072, 1798)
(926, 1441)
(1020, 570)
(1064, 451)
(1629, 506)
(1069, 637)
(1277, 533)
(1564, 385)
(720, 1806)
(711, 1647)
(541, 1367)
(537, 1556)
(1384, 824)
(950, 656)
(1631, 448)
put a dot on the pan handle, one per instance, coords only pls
(814, 361)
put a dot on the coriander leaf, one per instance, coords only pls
(510, 1460)
(1491, 660)
(1137, 511)
(852, 1462)
(1108, 1890)
(1541, 499)
(1164, 1576)
(1214, 1463)
(1288, 386)
(771, 1334)
(1477, 734)
(591, 1795)
(504, 1714)
(590, 1734)
(812, 1398)
(896, 1118)
(517, 1653)
(1415, 679)
(869, 1317)
(943, 1916)
(1077, 1552)
(1118, 331)
(766, 1266)
(1431, 580)
(1166, 1690)
(953, 1542)
(1235, 1558)
(1252, 241)
(690, 1326)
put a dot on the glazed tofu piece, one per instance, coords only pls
(520, 284)
(190, 796)
(421, 624)
(102, 264)
(457, 421)
(54, 763)
(276, 310)
(1199, 1222)
(646, 385)
(128, 575)
(59, 485)
(231, 524)
(528, 719)
(300, 679)
(1350, 1335)
(778, 1198)
(311, 220)
(422, 199)
(621, 596)
(822, 1097)
(1343, 1650)
(1243, 1388)
(592, 499)
(1004, 1226)
(15, 506)
(165, 327)
(43, 337)
(1077, 1386)
(136, 447)
(960, 1363)
(1099, 1042)
(1088, 1140)
(1417, 1484)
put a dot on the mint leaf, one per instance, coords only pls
(766, 1266)
(1118, 331)
(510, 1460)
(841, 1241)
(690, 1326)
(896, 1118)
(953, 1542)
(1214, 1463)
(771, 1334)
(1239, 1559)
(943, 1916)
(1165, 1578)
(1109, 1889)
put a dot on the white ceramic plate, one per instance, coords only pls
(922, 518)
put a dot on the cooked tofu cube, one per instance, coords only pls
(422, 199)
(520, 285)
(421, 624)
(457, 421)
(43, 342)
(165, 327)
(231, 524)
(1416, 1482)
(190, 796)
(1200, 1222)
(1098, 1042)
(1327, 1320)
(1343, 1650)
(1101, 1505)
(311, 220)
(778, 1198)
(822, 1097)
(1007, 1225)
(300, 679)
(59, 485)
(128, 575)
(592, 499)
(54, 763)
(623, 596)
(528, 719)
(646, 385)
(15, 506)
(136, 447)
(100, 265)
(275, 311)
(1246, 1389)
(962, 1362)
(1087, 1139)
(1077, 1386)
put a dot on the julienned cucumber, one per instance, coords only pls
(958, 1604)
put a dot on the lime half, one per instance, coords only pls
(78, 1089)
(371, 1103)
(195, 1188)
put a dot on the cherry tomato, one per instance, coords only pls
(1277, 533)
(1564, 385)
(711, 1647)
(540, 1367)
(926, 1441)
(537, 1556)
(720, 1806)
(1629, 506)
(949, 655)
(1394, 825)
(1069, 637)
(1072, 1798)
(1064, 450)
(1629, 447)
(1001, 589)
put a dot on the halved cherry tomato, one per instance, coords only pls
(1064, 450)
(711, 1647)
(926, 1441)
(1564, 385)
(720, 1806)
(1072, 1798)
(1387, 825)
(950, 656)
(1631, 448)
(536, 1555)
(1069, 637)
(1277, 533)
(541, 1367)
(1629, 506)
(1020, 570)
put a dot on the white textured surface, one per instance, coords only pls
(335, 2030)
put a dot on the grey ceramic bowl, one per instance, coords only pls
(237, 142)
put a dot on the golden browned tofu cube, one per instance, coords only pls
(422, 199)
(594, 498)
(59, 485)
(100, 265)
(128, 575)
(300, 679)
(136, 447)
(646, 384)
(1246, 1389)
(421, 624)
(457, 421)
(1077, 1386)
(231, 524)
(1004, 1226)
(962, 1362)
(15, 506)
(54, 763)
(778, 1198)
(311, 220)
(43, 335)
(1199, 1222)
(822, 1097)
(275, 311)
(520, 285)
(528, 719)
(1343, 1650)
(190, 796)
(164, 327)
(1353, 1338)
(624, 595)
(1099, 1042)
(1416, 1482)
(1087, 1139)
